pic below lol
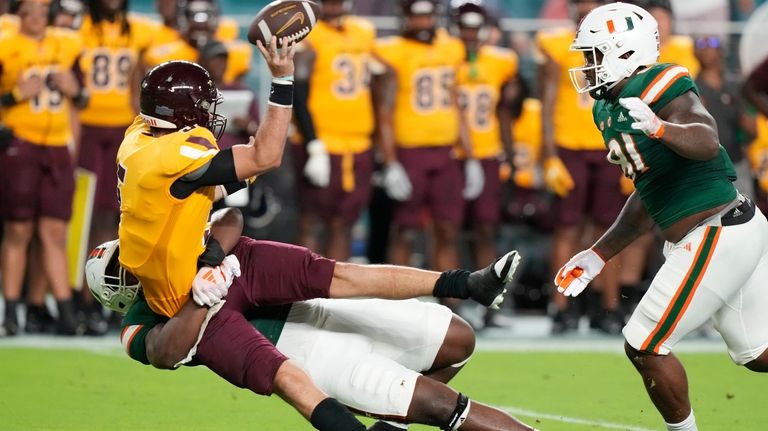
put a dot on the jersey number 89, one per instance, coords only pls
(432, 89)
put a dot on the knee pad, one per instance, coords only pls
(371, 384)
(459, 414)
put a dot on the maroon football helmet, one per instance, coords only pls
(178, 94)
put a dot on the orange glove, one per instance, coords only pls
(557, 177)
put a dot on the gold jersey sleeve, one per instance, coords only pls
(679, 50)
(425, 113)
(480, 83)
(340, 96)
(108, 63)
(161, 237)
(527, 134)
(572, 110)
(45, 118)
(239, 56)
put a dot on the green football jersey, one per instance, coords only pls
(140, 319)
(670, 186)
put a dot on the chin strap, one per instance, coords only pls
(459, 414)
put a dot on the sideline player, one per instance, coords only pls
(419, 125)
(659, 133)
(39, 87)
(487, 88)
(198, 22)
(369, 354)
(334, 115)
(587, 188)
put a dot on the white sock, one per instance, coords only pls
(689, 424)
(399, 425)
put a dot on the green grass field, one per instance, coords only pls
(83, 390)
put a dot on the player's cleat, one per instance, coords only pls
(612, 322)
(11, 322)
(564, 321)
(39, 320)
(67, 323)
(487, 286)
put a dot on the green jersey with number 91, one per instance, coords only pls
(670, 186)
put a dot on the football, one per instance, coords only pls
(291, 19)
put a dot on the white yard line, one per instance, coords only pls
(572, 420)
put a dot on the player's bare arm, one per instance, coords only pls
(169, 343)
(511, 94)
(264, 151)
(688, 129)
(384, 88)
(632, 222)
(548, 88)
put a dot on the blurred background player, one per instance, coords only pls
(673, 48)
(420, 125)
(39, 87)
(334, 116)
(114, 44)
(575, 169)
(721, 95)
(67, 14)
(488, 89)
(168, 31)
(214, 58)
(198, 22)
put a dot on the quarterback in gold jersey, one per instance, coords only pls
(114, 43)
(335, 119)
(420, 126)
(198, 23)
(488, 89)
(574, 166)
(38, 88)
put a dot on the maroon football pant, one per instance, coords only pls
(272, 274)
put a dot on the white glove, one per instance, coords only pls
(318, 166)
(575, 275)
(645, 119)
(396, 182)
(474, 179)
(210, 285)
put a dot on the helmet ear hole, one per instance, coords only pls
(626, 55)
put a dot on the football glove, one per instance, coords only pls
(318, 166)
(396, 182)
(210, 285)
(646, 120)
(488, 286)
(474, 179)
(557, 177)
(576, 274)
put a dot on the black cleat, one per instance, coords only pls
(612, 322)
(487, 286)
(563, 322)
(39, 320)
(11, 322)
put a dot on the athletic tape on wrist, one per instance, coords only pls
(281, 94)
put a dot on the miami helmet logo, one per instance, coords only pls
(612, 27)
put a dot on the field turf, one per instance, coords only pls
(97, 389)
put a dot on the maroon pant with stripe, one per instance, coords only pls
(272, 274)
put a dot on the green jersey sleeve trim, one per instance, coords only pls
(137, 323)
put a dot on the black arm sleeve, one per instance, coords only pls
(301, 110)
(220, 170)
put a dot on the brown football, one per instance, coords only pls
(291, 19)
